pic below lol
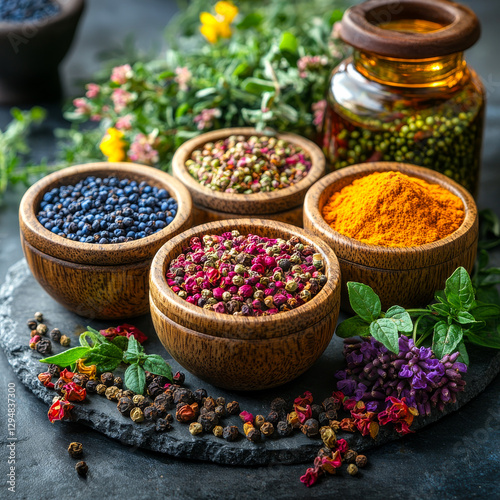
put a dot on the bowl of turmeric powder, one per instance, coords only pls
(396, 227)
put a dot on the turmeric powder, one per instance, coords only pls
(395, 210)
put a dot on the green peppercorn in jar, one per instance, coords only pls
(407, 94)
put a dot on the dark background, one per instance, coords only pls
(459, 457)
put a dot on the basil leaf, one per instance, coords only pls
(401, 317)
(385, 331)
(135, 378)
(464, 318)
(96, 337)
(105, 356)
(464, 355)
(120, 342)
(440, 297)
(446, 338)
(288, 42)
(459, 291)
(157, 365)
(67, 357)
(486, 338)
(483, 312)
(441, 309)
(364, 301)
(352, 327)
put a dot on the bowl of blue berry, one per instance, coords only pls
(89, 234)
(35, 35)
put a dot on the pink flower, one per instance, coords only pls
(183, 77)
(307, 63)
(82, 106)
(120, 99)
(205, 118)
(335, 34)
(142, 150)
(319, 109)
(121, 74)
(124, 122)
(310, 477)
(92, 90)
(96, 118)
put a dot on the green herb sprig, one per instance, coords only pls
(456, 317)
(95, 349)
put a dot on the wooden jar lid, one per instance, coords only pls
(361, 28)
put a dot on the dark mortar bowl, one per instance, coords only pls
(30, 54)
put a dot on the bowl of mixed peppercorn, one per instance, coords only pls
(90, 232)
(245, 304)
(242, 173)
(399, 228)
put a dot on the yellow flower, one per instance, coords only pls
(227, 10)
(113, 146)
(215, 27)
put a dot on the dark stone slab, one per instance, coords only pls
(21, 296)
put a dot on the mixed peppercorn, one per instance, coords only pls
(107, 210)
(247, 275)
(244, 165)
(27, 10)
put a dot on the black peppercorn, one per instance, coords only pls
(82, 468)
(169, 418)
(38, 317)
(220, 401)
(316, 410)
(91, 386)
(310, 427)
(125, 405)
(80, 379)
(111, 393)
(230, 433)
(179, 378)
(199, 395)
(331, 404)
(361, 461)
(162, 425)
(54, 370)
(161, 409)
(75, 450)
(118, 381)
(55, 335)
(273, 417)
(233, 408)
(155, 389)
(253, 435)
(164, 399)
(208, 421)
(101, 389)
(220, 411)
(283, 428)
(161, 380)
(350, 456)
(151, 413)
(209, 403)
(331, 415)
(149, 378)
(183, 396)
(259, 420)
(32, 324)
(59, 384)
(325, 453)
(323, 419)
(44, 346)
(279, 406)
(127, 393)
(107, 379)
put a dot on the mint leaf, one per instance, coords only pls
(134, 350)
(484, 312)
(464, 355)
(364, 301)
(352, 327)
(401, 317)
(135, 378)
(459, 291)
(95, 336)
(288, 42)
(441, 309)
(386, 332)
(464, 318)
(487, 338)
(157, 365)
(440, 297)
(105, 356)
(446, 338)
(68, 357)
(120, 342)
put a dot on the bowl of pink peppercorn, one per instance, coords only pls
(241, 173)
(245, 304)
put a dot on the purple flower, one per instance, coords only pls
(405, 372)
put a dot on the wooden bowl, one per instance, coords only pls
(406, 276)
(283, 205)
(236, 352)
(30, 54)
(97, 281)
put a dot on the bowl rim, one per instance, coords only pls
(261, 203)
(396, 258)
(95, 253)
(68, 8)
(241, 327)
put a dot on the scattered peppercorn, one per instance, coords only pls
(80, 379)
(199, 395)
(284, 429)
(209, 403)
(230, 433)
(32, 324)
(54, 370)
(125, 406)
(101, 389)
(350, 456)
(361, 461)
(316, 410)
(233, 408)
(220, 411)
(111, 393)
(179, 378)
(38, 317)
(118, 381)
(55, 334)
(208, 420)
(82, 468)
(41, 329)
(65, 341)
(310, 427)
(267, 429)
(44, 346)
(273, 417)
(162, 425)
(183, 396)
(328, 436)
(218, 431)
(137, 415)
(107, 210)
(75, 450)
(91, 386)
(352, 469)
(195, 428)
(258, 421)
(107, 379)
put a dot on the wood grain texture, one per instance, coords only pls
(245, 365)
(92, 253)
(359, 28)
(241, 327)
(258, 204)
(405, 276)
(98, 281)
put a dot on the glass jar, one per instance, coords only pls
(407, 94)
